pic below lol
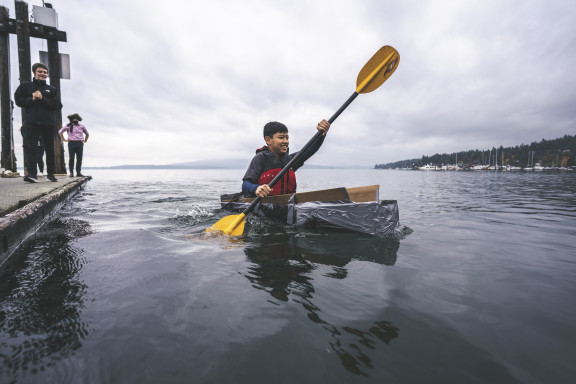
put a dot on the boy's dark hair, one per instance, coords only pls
(38, 65)
(274, 127)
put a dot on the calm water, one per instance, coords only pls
(482, 291)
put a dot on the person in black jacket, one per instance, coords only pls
(40, 103)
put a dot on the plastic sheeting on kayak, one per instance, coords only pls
(380, 218)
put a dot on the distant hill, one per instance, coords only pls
(559, 152)
(211, 164)
(200, 164)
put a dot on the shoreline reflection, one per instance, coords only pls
(283, 265)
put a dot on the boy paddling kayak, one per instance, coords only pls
(272, 158)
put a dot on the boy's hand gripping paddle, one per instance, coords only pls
(374, 73)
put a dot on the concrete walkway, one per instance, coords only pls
(25, 207)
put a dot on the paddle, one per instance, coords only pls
(374, 73)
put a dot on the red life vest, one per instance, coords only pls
(286, 184)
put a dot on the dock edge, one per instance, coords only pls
(17, 226)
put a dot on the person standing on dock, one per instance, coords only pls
(39, 102)
(76, 141)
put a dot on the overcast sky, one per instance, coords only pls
(171, 81)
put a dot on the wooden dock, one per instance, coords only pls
(25, 207)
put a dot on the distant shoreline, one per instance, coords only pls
(173, 166)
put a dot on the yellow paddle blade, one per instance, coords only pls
(377, 70)
(230, 225)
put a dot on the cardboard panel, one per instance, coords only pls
(334, 194)
(364, 194)
(357, 195)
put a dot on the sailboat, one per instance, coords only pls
(491, 167)
(530, 160)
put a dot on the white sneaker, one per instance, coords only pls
(40, 174)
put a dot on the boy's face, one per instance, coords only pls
(278, 143)
(41, 74)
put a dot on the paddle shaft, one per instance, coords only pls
(300, 153)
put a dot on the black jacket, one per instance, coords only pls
(38, 111)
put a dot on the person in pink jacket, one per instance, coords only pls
(77, 137)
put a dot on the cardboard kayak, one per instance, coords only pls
(356, 209)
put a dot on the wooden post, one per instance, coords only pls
(23, 40)
(54, 74)
(8, 158)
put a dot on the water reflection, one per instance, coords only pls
(284, 266)
(41, 296)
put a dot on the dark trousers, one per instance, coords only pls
(75, 148)
(30, 136)
(41, 158)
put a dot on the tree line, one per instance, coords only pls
(559, 152)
